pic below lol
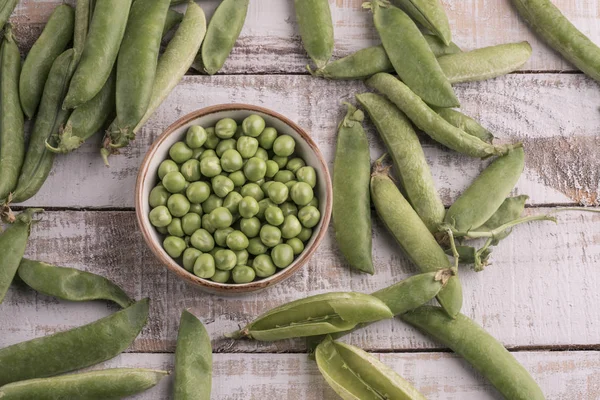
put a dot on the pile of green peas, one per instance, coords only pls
(234, 202)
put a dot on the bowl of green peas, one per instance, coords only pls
(233, 198)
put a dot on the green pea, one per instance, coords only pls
(314, 202)
(160, 217)
(272, 168)
(195, 137)
(221, 276)
(290, 184)
(165, 167)
(274, 216)
(267, 137)
(225, 260)
(270, 235)
(243, 274)
(174, 181)
(248, 207)
(190, 223)
(211, 203)
(208, 153)
(289, 208)
(232, 203)
(284, 146)
(262, 207)
(174, 246)
(180, 152)
(204, 267)
(309, 216)
(252, 190)
(220, 236)
(221, 217)
(256, 246)
(225, 128)
(198, 192)
(281, 161)
(158, 196)
(178, 205)
(222, 185)
(198, 153)
(301, 193)
(307, 175)
(262, 154)
(212, 140)
(241, 257)
(296, 245)
(295, 164)
(210, 166)
(238, 178)
(260, 182)
(255, 169)
(162, 230)
(202, 240)
(282, 255)
(175, 228)
(196, 209)
(265, 187)
(291, 227)
(237, 241)
(190, 255)
(186, 239)
(214, 250)
(191, 170)
(247, 146)
(224, 145)
(207, 224)
(253, 125)
(305, 234)
(239, 132)
(263, 266)
(231, 160)
(284, 176)
(278, 192)
(250, 226)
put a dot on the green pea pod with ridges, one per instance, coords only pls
(95, 385)
(223, 30)
(430, 14)
(413, 60)
(12, 134)
(173, 18)
(316, 29)
(356, 375)
(430, 122)
(137, 61)
(13, 242)
(413, 236)
(485, 63)
(466, 123)
(485, 195)
(51, 117)
(193, 360)
(73, 349)
(556, 30)
(53, 41)
(403, 146)
(511, 209)
(100, 51)
(477, 347)
(70, 284)
(315, 315)
(6, 9)
(351, 196)
(83, 16)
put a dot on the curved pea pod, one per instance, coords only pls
(351, 196)
(316, 315)
(13, 242)
(404, 147)
(482, 351)
(485, 195)
(465, 123)
(12, 135)
(193, 360)
(413, 236)
(96, 385)
(356, 375)
(556, 30)
(219, 41)
(6, 9)
(430, 122)
(73, 349)
(70, 284)
(430, 15)
(411, 56)
(485, 63)
(173, 18)
(316, 29)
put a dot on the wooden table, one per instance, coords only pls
(540, 297)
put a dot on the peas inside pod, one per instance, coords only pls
(234, 202)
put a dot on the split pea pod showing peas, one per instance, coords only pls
(316, 29)
(482, 351)
(429, 14)
(96, 385)
(405, 149)
(12, 135)
(414, 237)
(341, 364)
(411, 56)
(351, 196)
(13, 242)
(193, 360)
(466, 123)
(430, 122)
(6, 8)
(74, 349)
(552, 26)
(57, 34)
(70, 284)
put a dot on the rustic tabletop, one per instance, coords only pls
(540, 297)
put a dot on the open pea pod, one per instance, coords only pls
(357, 375)
(316, 315)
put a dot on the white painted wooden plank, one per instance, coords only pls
(541, 290)
(555, 116)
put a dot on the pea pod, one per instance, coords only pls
(315, 315)
(413, 236)
(73, 349)
(510, 210)
(430, 15)
(96, 385)
(6, 9)
(470, 255)
(316, 29)
(100, 51)
(193, 360)
(477, 347)
(13, 242)
(411, 56)
(356, 375)
(405, 149)
(351, 197)
(70, 284)
(83, 16)
(466, 123)
(430, 122)
(12, 136)
(173, 18)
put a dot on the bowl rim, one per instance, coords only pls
(171, 264)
